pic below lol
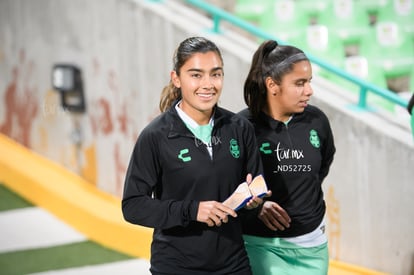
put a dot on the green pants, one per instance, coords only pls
(275, 256)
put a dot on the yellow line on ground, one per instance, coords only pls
(92, 212)
(340, 268)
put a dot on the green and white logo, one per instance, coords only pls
(182, 157)
(234, 148)
(314, 138)
(265, 148)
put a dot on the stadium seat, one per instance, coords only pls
(319, 41)
(401, 12)
(347, 19)
(313, 9)
(251, 10)
(373, 6)
(285, 20)
(359, 66)
(387, 47)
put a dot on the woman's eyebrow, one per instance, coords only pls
(201, 70)
(194, 70)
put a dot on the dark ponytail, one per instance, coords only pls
(254, 86)
(269, 60)
(168, 95)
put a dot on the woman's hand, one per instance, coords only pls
(274, 216)
(255, 201)
(214, 213)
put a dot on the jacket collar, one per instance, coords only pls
(274, 124)
(177, 126)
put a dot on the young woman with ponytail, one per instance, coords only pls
(185, 163)
(286, 234)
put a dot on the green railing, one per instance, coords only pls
(218, 15)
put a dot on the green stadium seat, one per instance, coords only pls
(359, 66)
(285, 20)
(400, 12)
(314, 9)
(320, 42)
(347, 19)
(251, 10)
(389, 48)
(373, 6)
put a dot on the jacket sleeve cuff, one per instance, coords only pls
(193, 210)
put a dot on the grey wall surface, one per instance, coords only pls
(124, 49)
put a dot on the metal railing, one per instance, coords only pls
(218, 15)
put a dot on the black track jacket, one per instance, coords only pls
(174, 167)
(296, 158)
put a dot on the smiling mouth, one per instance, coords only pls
(206, 95)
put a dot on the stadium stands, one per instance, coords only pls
(371, 39)
(347, 19)
(360, 67)
(285, 19)
(314, 9)
(251, 10)
(389, 49)
(372, 7)
(400, 12)
(320, 41)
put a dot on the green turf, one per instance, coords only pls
(57, 257)
(10, 200)
(50, 258)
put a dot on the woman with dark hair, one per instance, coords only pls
(285, 235)
(188, 161)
